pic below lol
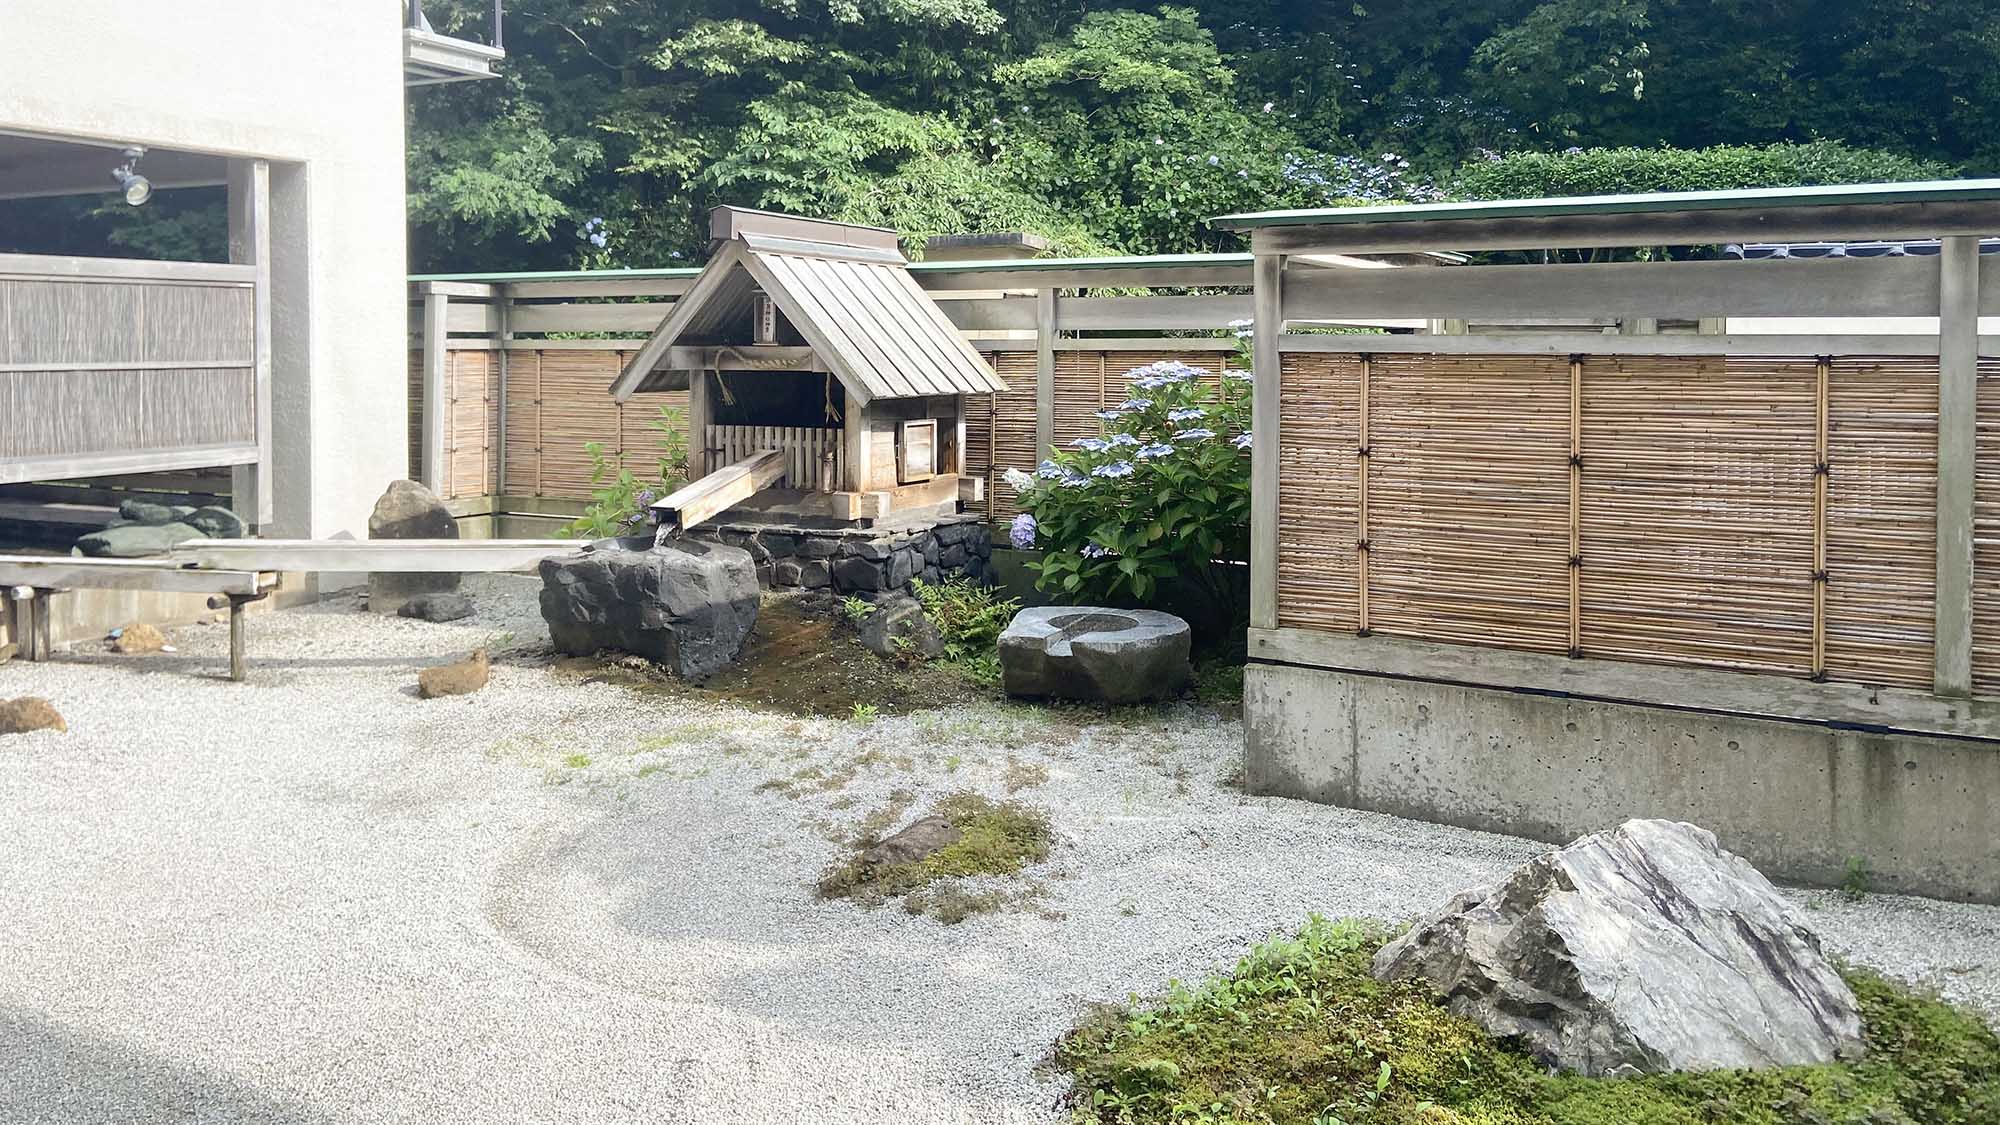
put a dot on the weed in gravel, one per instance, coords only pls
(1300, 1033)
(1855, 880)
(1021, 775)
(577, 761)
(993, 838)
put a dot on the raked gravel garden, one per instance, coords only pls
(582, 895)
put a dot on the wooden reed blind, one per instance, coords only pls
(1468, 500)
(1318, 518)
(1986, 536)
(1756, 513)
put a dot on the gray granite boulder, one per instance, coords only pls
(897, 628)
(408, 510)
(135, 540)
(1093, 653)
(218, 523)
(684, 604)
(1644, 949)
(437, 607)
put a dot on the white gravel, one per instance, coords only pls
(314, 897)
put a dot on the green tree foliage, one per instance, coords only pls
(1605, 171)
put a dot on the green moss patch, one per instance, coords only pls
(1299, 1032)
(993, 838)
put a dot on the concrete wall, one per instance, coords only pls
(316, 86)
(1797, 798)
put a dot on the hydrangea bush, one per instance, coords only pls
(1164, 491)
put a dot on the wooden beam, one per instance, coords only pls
(764, 357)
(1565, 343)
(944, 280)
(1045, 372)
(472, 290)
(1267, 370)
(1958, 431)
(19, 470)
(1675, 228)
(38, 267)
(65, 573)
(405, 556)
(626, 287)
(1085, 313)
(629, 316)
(720, 490)
(436, 412)
(1820, 287)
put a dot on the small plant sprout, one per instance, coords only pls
(1855, 881)
(855, 609)
(865, 712)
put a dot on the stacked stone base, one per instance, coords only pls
(860, 560)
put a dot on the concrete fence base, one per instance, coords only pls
(1798, 798)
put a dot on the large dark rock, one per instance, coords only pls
(135, 541)
(1647, 948)
(897, 628)
(408, 510)
(1092, 653)
(218, 523)
(687, 604)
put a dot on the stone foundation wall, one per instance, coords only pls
(863, 560)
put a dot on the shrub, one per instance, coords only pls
(1611, 171)
(1164, 492)
(619, 496)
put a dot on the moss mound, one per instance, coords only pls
(994, 838)
(1300, 1033)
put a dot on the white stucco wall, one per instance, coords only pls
(316, 86)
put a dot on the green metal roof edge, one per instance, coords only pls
(1918, 191)
(979, 265)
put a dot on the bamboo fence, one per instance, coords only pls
(1766, 514)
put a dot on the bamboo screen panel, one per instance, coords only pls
(1881, 519)
(1318, 528)
(115, 367)
(1986, 536)
(1701, 528)
(1697, 511)
(1000, 429)
(1468, 499)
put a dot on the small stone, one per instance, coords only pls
(786, 572)
(913, 843)
(133, 541)
(145, 513)
(874, 550)
(29, 713)
(218, 523)
(857, 574)
(898, 629)
(138, 638)
(952, 556)
(1644, 949)
(815, 574)
(179, 513)
(437, 607)
(903, 566)
(459, 678)
(818, 547)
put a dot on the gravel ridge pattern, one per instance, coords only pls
(313, 897)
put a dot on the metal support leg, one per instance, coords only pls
(238, 666)
(40, 605)
(21, 599)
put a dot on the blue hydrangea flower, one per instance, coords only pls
(1022, 532)
(645, 497)
(1049, 470)
(1149, 452)
(1093, 444)
(1076, 480)
(1125, 440)
(1241, 441)
(1239, 376)
(1186, 414)
(1093, 551)
(1197, 434)
(1109, 415)
(1136, 404)
(1149, 383)
(1113, 470)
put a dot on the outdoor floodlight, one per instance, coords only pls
(138, 189)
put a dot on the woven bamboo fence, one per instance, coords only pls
(557, 400)
(1766, 514)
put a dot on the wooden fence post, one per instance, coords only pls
(1958, 405)
(1045, 372)
(1267, 367)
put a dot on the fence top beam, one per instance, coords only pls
(1909, 210)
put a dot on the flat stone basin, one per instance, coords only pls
(1095, 653)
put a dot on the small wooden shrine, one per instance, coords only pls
(822, 382)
